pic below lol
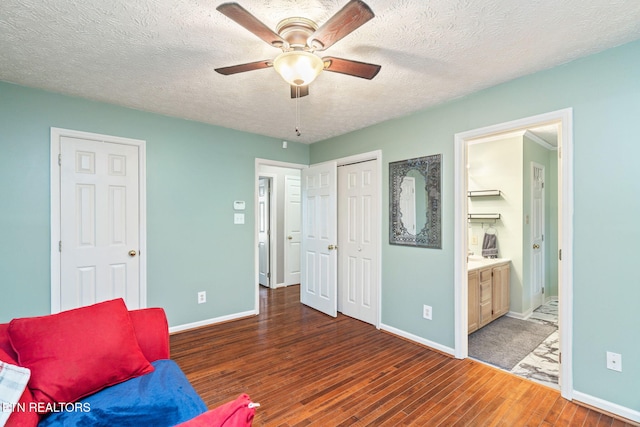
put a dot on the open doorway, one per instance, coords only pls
(278, 228)
(464, 239)
(512, 269)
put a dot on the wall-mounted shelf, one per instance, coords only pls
(483, 193)
(481, 216)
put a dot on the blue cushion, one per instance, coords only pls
(163, 397)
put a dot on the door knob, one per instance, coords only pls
(132, 253)
(290, 237)
(536, 246)
(332, 247)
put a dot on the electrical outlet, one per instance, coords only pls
(426, 312)
(202, 297)
(614, 361)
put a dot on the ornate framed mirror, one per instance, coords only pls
(414, 202)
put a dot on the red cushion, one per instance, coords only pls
(78, 352)
(5, 342)
(237, 413)
(152, 332)
(23, 414)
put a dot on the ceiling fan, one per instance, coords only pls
(299, 38)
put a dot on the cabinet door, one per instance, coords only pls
(500, 295)
(474, 302)
(485, 296)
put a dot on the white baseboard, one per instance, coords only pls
(212, 321)
(612, 408)
(521, 316)
(417, 339)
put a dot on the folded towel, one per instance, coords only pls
(490, 246)
(13, 380)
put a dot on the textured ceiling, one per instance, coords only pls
(160, 55)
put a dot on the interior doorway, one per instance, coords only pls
(98, 219)
(278, 225)
(507, 205)
(372, 297)
(563, 120)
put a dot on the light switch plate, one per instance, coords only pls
(238, 218)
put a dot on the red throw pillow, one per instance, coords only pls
(77, 352)
(237, 413)
(5, 342)
(23, 414)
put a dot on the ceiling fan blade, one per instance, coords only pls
(351, 16)
(299, 91)
(241, 68)
(240, 15)
(351, 68)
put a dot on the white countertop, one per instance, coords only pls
(476, 262)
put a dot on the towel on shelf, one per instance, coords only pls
(490, 246)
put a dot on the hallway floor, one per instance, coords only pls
(542, 365)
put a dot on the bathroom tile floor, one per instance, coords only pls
(542, 365)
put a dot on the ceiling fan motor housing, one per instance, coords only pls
(296, 31)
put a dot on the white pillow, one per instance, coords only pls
(13, 380)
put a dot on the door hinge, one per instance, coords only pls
(59, 159)
(543, 290)
(560, 254)
(559, 357)
(59, 245)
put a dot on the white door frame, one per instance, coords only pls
(372, 155)
(56, 134)
(565, 230)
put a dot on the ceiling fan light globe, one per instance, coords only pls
(298, 68)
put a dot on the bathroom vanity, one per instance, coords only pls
(489, 281)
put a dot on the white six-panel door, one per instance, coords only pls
(99, 223)
(319, 238)
(537, 235)
(292, 217)
(358, 233)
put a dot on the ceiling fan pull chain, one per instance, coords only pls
(298, 133)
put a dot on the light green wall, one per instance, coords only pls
(604, 92)
(497, 165)
(194, 173)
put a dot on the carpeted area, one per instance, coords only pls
(506, 341)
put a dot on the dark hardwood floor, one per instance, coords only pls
(305, 368)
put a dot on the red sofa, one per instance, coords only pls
(75, 357)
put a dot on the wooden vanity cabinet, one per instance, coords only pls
(486, 307)
(473, 315)
(488, 295)
(500, 290)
